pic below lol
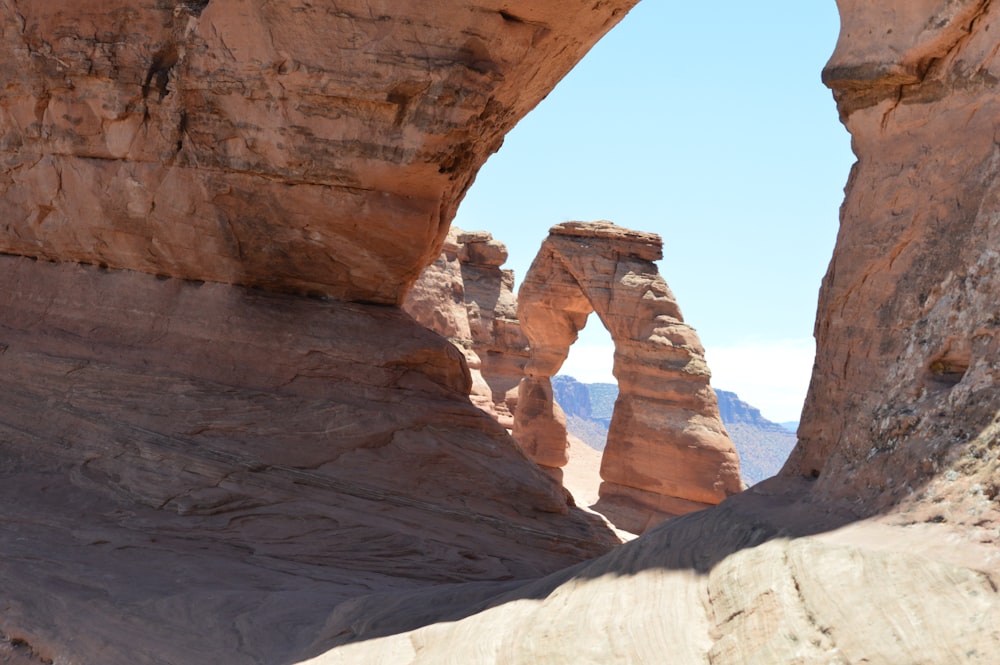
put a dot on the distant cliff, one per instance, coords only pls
(763, 445)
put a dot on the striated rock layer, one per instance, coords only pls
(193, 472)
(904, 405)
(467, 298)
(667, 451)
(296, 146)
(763, 578)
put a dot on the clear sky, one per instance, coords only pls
(706, 123)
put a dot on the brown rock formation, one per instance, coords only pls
(288, 145)
(202, 472)
(206, 473)
(194, 472)
(667, 452)
(466, 297)
(905, 396)
(750, 582)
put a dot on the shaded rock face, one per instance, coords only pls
(184, 463)
(667, 452)
(204, 469)
(760, 579)
(905, 396)
(290, 145)
(466, 297)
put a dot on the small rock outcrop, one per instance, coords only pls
(467, 298)
(667, 452)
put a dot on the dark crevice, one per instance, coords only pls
(194, 7)
(947, 370)
(158, 75)
(510, 18)
(182, 126)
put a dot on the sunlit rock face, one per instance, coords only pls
(297, 146)
(905, 394)
(466, 297)
(667, 451)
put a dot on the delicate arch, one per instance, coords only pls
(667, 452)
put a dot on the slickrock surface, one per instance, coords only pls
(310, 147)
(904, 402)
(467, 298)
(763, 578)
(194, 473)
(667, 452)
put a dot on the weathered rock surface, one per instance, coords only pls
(905, 396)
(763, 578)
(193, 472)
(203, 473)
(467, 298)
(289, 145)
(667, 452)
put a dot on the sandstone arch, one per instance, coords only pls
(668, 452)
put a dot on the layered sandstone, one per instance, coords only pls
(200, 471)
(905, 396)
(206, 473)
(194, 472)
(763, 578)
(467, 297)
(290, 145)
(667, 451)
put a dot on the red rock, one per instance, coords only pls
(202, 458)
(466, 297)
(667, 452)
(904, 395)
(288, 145)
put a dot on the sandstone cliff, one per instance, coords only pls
(295, 146)
(904, 399)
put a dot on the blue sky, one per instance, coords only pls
(706, 124)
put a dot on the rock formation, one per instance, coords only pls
(467, 298)
(194, 457)
(667, 451)
(201, 472)
(758, 580)
(904, 402)
(295, 146)
(763, 446)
